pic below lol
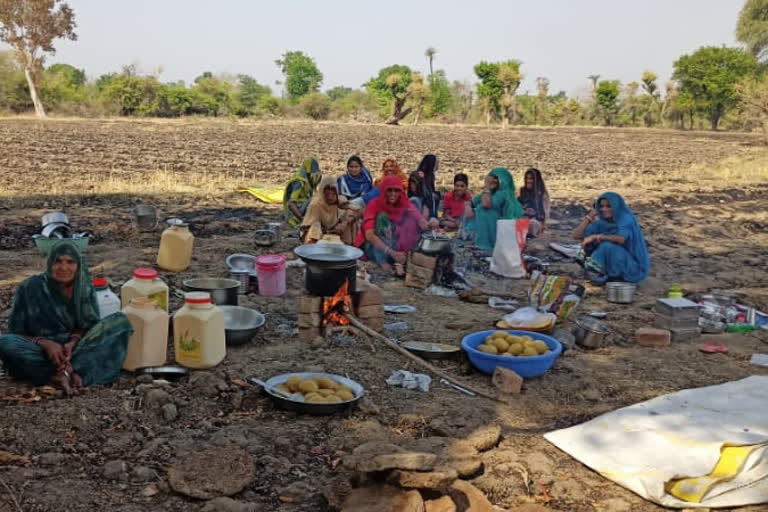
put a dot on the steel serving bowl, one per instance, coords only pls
(240, 261)
(241, 324)
(264, 237)
(55, 217)
(620, 293)
(223, 290)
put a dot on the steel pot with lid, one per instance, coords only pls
(328, 266)
(590, 332)
(433, 243)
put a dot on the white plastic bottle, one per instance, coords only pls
(145, 283)
(108, 302)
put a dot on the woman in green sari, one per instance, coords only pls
(299, 191)
(56, 335)
(496, 202)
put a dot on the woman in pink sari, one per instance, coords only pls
(391, 226)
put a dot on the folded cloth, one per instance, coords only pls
(271, 195)
(408, 380)
(570, 250)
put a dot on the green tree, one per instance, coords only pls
(390, 90)
(249, 92)
(753, 94)
(440, 97)
(752, 27)
(418, 93)
(510, 77)
(541, 107)
(670, 109)
(62, 83)
(30, 27)
(630, 105)
(430, 53)
(710, 75)
(301, 73)
(607, 96)
(316, 105)
(594, 79)
(462, 97)
(651, 88)
(490, 90)
(338, 92)
(211, 95)
(14, 94)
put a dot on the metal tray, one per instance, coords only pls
(327, 253)
(431, 350)
(308, 408)
(167, 372)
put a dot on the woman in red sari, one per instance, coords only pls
(391, 226)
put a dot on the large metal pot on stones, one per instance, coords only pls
(328, 266)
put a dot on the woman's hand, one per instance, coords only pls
(400, 257)
(591, 216)
(54, 352)
(433, 223)
(487, 184)
(591, 239)
(529, 212)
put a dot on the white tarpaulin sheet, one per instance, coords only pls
(705, 447)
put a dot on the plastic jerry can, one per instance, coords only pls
(108, 302)
(176, 243)
(145, 283)
(198, 332)
(149, 343)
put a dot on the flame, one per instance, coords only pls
(341, 302)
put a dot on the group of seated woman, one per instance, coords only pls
(384, 216)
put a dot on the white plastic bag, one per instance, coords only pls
(506, 260)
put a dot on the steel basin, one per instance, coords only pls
(241, 324)
(223, 290)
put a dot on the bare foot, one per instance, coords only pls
(61, 380)
(75, 382)
(399, 270)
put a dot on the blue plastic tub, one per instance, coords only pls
(531, 366)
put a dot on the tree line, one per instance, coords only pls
(711, 87)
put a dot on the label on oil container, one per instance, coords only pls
(160, 299)
(189, 349)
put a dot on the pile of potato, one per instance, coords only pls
(317, 390)
(505, 344)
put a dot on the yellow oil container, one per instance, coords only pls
(176, 244)
(145, 283)
(198, 332)
(149, 342)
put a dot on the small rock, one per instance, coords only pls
(150, 490)
(155, 399)
(539, 464)
(236, 400)
(205, 383)
(170, 413)
(212, 473)
(592, 394)
(228, 505)
(414, 461)
(366, 406)
(442, 504)
(143, 389)
(144, 379)
(468, 497)
(374, 448)
(115, 470)
(142, 474)
(299, 491)
(563, 489)
(507, 381)
(383, 498)
(485, 438)
(51, 459)
(422, 479)
(457, 454)
(613, 505)
(317, 343)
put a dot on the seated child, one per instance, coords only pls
(453, 203)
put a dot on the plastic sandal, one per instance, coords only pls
(714, 348)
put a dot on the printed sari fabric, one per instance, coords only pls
(300, 188)
(504, 205)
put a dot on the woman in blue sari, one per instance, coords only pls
(496, 202)
(56, 335)
(613, 244)
(357, 181)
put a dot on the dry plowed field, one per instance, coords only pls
(698, 197)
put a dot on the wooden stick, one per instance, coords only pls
(397, 348)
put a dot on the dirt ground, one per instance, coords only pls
(110, 449)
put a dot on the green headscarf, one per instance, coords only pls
(301, 187)
(512, 207)
(86, 308)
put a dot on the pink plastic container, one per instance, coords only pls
(271, 274)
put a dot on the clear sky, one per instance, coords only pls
(563, 40)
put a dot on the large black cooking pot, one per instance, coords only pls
(328, 266)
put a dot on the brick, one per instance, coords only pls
(422, 260)
(309, 335)
(650, 337)
(307, 320)
(370, 296)
(377, 324)
(310, 304)
(507, 381)
(374, 311)
(422, 272)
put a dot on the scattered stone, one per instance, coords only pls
(414, 461)
(442, 504)
(150, 490)
(459, 325)
(383, 498)
(299, 491)
(366, 406)
(336, 492)
(144, 379)
(539, 464)
(170, 413)
(142, 474)
(469, 498)
(205, 383)
(51, 459)
(212, 473)
(317, 343)
(591, 394)
(422, 479)
(485, 438)
(115, 470)
(457, 454)
(507, 381)
(228, 505)
(236, 400)
(613, 505)
(155, 399)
